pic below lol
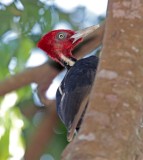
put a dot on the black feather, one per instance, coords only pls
(75, 86)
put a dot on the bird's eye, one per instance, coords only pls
(61, 36)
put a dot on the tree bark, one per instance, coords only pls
(112, 126)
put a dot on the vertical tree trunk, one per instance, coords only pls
(112, 126)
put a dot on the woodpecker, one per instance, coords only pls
(73, 93)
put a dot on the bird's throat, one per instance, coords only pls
(67, 62)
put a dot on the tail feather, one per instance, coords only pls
(76, 121)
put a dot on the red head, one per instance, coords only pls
(58, 43)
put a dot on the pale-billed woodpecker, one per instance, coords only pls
(73, 93)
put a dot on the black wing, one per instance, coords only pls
(72, 94)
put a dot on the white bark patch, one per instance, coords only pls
(88, 137)
(107, 74)
(127, 9)
(126, 104)
(135, 49)
(132, 25)
(112, 98)
(126, 4)
(122, 30)
(130, 73)
(118, 115)
(139, 85)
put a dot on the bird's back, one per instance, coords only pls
(74, 88)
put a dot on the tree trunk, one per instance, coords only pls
(112, 126)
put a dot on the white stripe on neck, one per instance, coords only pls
(67, 60)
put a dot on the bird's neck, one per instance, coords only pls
(68, 62)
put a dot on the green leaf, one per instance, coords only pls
(4, 145)
(23, 52)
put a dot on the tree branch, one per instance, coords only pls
(112, 126)
(29, 75)
(43, 135)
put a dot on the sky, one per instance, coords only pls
(96, 6)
